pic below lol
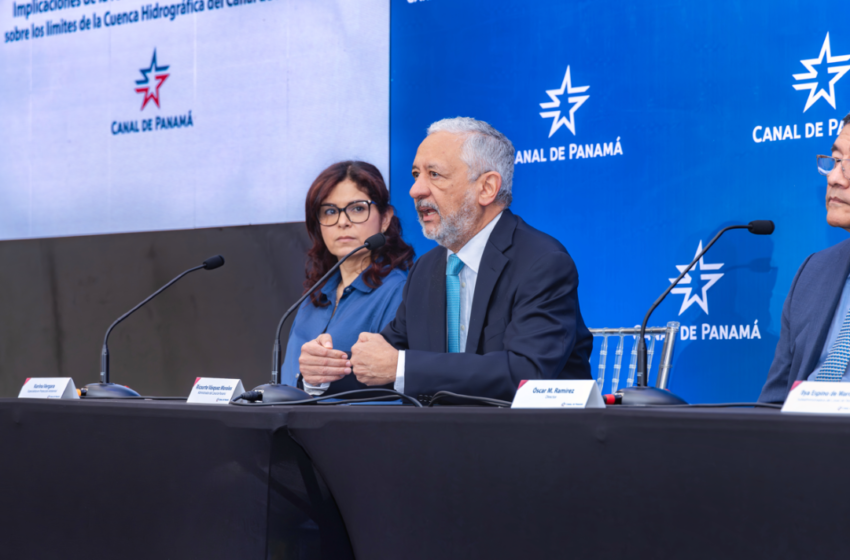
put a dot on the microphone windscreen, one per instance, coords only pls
(213, 262)
(761, 227)
(376, 241)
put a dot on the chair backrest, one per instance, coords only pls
(670, 332)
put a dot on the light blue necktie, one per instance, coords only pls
(453, 302)
(839, 355)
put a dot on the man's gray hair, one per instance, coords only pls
(485, 149)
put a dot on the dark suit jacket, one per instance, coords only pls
(525, 321)
(806, 316)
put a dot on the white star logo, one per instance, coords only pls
(712, 279)
(577, 102)
(812, 74)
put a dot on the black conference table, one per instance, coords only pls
(143, 479)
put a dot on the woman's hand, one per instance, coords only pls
(320, 363)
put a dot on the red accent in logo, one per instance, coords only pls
(523, 382)
(152, 93)
(152, 73)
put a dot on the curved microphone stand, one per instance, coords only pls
(107, 390)
(640, 394)
(274, 391)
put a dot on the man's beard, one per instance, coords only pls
(453, 228)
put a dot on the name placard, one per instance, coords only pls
(558, 393)
(48, 388)
(211, 390)
(818, 397)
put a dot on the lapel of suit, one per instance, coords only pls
(436, 302)
(493, 262)
(823, 314)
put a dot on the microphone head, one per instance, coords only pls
(376, 241)
(761, 227)
(213, 262)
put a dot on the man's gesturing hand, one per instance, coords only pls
(373, 359)
(320, 363)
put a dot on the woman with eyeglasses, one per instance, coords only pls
(347, 203)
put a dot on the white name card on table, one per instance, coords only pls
(558, 393)
(48, 388)
(211, 390)
(818, 397)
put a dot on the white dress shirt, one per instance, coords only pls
(470, 254)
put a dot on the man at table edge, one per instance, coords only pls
(814, 340)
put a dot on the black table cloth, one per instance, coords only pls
(131, 479)
(172, 480)
(614, 483)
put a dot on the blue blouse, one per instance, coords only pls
(361, 309)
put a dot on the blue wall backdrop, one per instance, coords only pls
(675, 122)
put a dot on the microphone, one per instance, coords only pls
(107, 390)
(274, 391)
(761, 227)
(211, 263)
(640, 394)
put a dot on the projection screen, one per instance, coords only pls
(130, 115)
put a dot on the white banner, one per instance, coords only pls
(138, 116)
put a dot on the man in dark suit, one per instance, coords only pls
(496, 303)
(817, 307)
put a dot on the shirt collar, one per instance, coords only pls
(329, 289)
(472, 252)
(330, 286)
(359, 284)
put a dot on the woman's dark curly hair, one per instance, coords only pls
(394, 254)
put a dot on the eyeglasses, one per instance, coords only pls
(827, 163)
(357, 212)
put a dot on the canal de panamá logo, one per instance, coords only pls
(152, 79)
(822, 74)
(832, 67)
(576, 101)
(562, 111)
(707, 273)
(694, 287)
(154, 76)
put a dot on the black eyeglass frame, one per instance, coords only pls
(339, 210)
